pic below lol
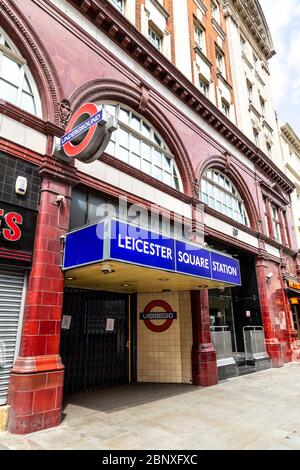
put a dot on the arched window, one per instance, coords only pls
(16, 83)
(218, 192)
(137, 143)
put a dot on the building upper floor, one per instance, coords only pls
(290, 143)
(172, 147)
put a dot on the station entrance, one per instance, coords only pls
(95, 340)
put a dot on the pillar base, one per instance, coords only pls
(35, 397)
(204, 366)
(275, 352)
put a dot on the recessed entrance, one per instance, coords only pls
(95, 343)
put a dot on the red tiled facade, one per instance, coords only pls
(71, 65)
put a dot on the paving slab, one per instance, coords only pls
(260, 411)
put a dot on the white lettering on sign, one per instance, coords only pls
(224, 268)
(193, 260)
(147, 248)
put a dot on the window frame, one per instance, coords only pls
(220, 60)
(157, 44)
(204, 83)
(225, 107)
(151, 142)
(202, 43)
(276, 222)
(115, 4)
(11, 52)
(224, 194)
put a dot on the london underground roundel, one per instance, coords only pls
(75, 128)
(87, 135)
(168, 315)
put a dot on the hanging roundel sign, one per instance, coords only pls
(87, 134)
(168, 315)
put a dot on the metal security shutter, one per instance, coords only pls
(12, 292)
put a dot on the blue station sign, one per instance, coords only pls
(116, 240)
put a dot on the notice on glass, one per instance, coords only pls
(110, 324)
(66, 322)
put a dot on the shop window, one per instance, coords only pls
(218, 192)
(137, 143)
(88, 208)
(16, 83)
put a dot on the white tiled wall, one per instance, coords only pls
(165, 357)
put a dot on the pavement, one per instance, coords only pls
(257, 411)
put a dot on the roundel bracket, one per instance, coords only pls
(87, 135)
(168, 315)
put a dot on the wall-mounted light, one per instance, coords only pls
(235, 232)
(269, 277)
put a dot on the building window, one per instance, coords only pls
(220, 61)
(266, 216)
(120, 4)
(250, 90)
(256, 137)
(16, 84)
(225, 108)
(269, 149)
(262, 106)
(204, 85)
(215, 13)
(276, 223)
(155, 38)
(255, 60)
(218, 192)
(243, 45)
(199, 35)
(137, 143)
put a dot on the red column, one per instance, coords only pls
(36, 385)
(204, 361)
(290, 334)
(272, 344)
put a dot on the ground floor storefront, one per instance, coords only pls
(258, 411)
(127, 307)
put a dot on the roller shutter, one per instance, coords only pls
(12, 292)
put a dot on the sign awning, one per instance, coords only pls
(136, 252)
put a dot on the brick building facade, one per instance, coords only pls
(163, 121)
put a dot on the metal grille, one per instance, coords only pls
(11, 296)
(93, 357)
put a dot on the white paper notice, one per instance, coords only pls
(110, 324)
(66, 322)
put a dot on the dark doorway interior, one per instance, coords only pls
(93, 356)
(237, 307)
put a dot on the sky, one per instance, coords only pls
(283, 18)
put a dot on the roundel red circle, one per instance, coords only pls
(74, 150)
(166, 325)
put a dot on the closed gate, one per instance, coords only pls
(93, 356)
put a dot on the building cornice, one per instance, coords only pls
(291, 136)
(250, 14)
